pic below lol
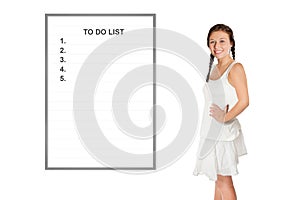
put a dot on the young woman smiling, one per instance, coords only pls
(226, 81)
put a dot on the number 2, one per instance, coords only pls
(62, 50)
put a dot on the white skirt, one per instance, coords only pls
(223, 159)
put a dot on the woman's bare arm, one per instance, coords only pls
(237, 78)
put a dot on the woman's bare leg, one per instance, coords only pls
(218, 195)
(225, 185)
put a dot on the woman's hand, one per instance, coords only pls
(217, 113)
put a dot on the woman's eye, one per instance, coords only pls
(222, 41)
(211, 42)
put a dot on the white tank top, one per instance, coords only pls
(221, 93)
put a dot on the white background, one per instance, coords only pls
(267, 37)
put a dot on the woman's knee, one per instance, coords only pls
(224, 182)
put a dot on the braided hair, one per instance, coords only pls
(211, 61)
(233, 52)
(226, 29)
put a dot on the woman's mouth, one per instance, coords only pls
(218, 51)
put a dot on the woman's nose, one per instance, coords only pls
(217, 45)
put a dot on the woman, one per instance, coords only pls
(226, 97)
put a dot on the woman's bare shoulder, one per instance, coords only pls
(237, 75)
(237, 69)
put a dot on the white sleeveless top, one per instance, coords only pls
(221, 93)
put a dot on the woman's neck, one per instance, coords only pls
(224, 62)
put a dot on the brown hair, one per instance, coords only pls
(226, 29)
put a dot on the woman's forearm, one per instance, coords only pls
(239, 107)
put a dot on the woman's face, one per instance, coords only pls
(219, 44)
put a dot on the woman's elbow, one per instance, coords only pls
(245, 103)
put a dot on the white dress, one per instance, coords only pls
(220, 143)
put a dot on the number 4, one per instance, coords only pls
(62, 69)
